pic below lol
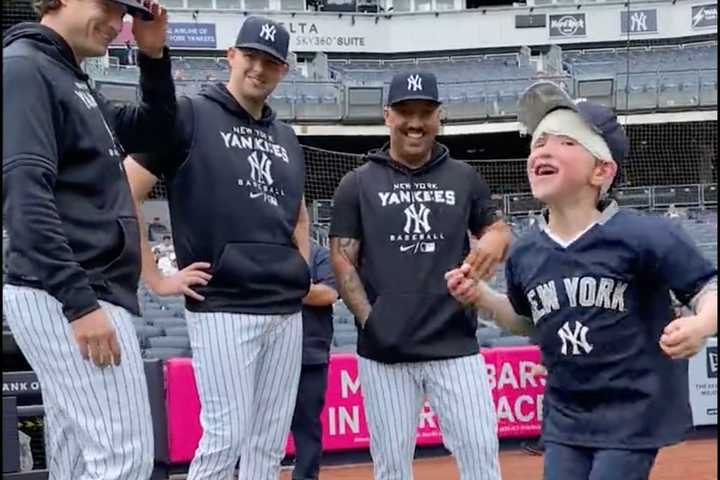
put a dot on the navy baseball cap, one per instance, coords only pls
(260, 33)
(415, 85)
(543, 97)
(136, 9)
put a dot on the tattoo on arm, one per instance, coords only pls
(345, 253)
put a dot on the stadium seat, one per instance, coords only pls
(164, 353)
(169, 342)
(176, 331)
(510, 341)
(169, 322)
(485, 334)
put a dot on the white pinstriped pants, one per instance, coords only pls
(458, 392)
(97, 421)
(247, 369)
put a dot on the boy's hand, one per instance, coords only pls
(462, 286)
(683, 337)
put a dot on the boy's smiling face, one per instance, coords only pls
(560, 169)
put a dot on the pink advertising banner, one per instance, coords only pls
(516, 393)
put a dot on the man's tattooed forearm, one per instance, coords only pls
(353, 294)
(350, 249)
(349, 284)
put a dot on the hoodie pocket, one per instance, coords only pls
(267, 270)
(403, 325)
(123, 269)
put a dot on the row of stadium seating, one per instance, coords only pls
(658, 59)
(641, 59)
(475, 87)
(163, 333)
(162, 330)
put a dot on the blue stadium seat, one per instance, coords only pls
(169, 342)
(176, 331)
(509, 341)
(164, 353)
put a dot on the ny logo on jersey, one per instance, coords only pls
(576, 337)
(260, 168)
(416, 219)
(414, 83)
(268, 32)
(87, 99)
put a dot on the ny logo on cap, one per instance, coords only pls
(414, 83)
(268, 32)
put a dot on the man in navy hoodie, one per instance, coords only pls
(73, 260)
(399, 222)
(235, 179)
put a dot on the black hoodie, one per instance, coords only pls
(66, 200)
(413, 227)
(234, 190)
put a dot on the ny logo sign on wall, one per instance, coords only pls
(638, 21)
(414, 83)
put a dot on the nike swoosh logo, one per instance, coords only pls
(405, 248)
(256, 195)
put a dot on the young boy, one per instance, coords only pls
(594, 282)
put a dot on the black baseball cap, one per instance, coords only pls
(545, 96)
(136, 9)
(414, 85)
(260, 33)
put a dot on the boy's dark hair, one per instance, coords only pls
(42, 7)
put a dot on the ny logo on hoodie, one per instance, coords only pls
(416, 219)
(260, 168)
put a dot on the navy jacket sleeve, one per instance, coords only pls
(346, 221)
(322, 268)
(30, 165)
(482, 212)
(677, 262)
(143, 127)
(165, 162)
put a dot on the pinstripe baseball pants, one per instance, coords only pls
(247, 369)
(97, 421)
(458, 392)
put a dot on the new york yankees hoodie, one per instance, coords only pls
(66, 199)
(413, 227)
(234, 200)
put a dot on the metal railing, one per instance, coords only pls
(700, 196)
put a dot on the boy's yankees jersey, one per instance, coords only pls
(599, 306)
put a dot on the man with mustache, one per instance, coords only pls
(399, 222)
